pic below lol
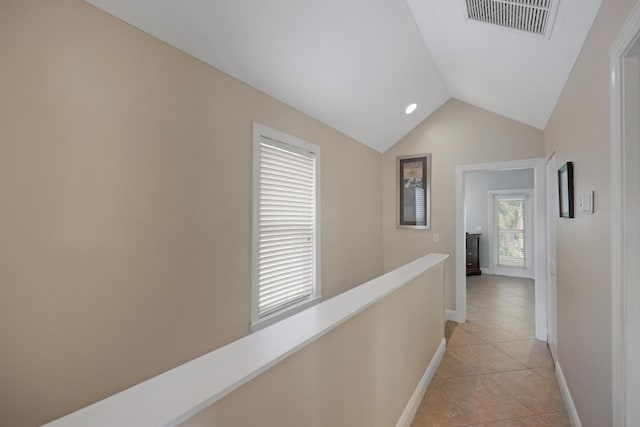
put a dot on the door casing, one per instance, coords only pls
(552, 284)
(539, 211)
(624, 56)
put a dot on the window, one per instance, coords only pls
(285, 225)
(511, 233)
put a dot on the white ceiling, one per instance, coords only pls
(356, 64)
(513, 73)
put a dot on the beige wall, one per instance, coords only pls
(456, 134)
(125, 199)
(579, 132)
(360, 374)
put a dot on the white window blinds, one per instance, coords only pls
(286, 225)
(511, 233)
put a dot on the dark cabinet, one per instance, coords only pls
(473, 254)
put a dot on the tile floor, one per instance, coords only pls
(494, 372)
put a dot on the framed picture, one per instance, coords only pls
(414, 191)
(565, 182)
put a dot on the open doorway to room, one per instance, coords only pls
(498, 216)
(500, 247)
(498, 210)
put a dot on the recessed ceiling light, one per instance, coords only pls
(411, 108)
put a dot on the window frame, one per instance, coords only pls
(525, 225)
(494, 267)
(258, 322)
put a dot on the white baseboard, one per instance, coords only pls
(410, 410)
(451, 315)
(512, 273)
(566, 396)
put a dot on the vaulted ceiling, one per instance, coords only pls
(356, 64)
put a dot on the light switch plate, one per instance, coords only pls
(436, 238)
(478, 228)
(586, 202)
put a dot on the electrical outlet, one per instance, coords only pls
(436, 238)
(478, 228)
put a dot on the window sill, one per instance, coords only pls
(284, 313)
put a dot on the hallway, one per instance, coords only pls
(494, 372)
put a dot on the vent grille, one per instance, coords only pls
(524, 15)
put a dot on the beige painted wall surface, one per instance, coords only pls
(456, 134)
(579, 132)
(125, 193)
(360, 374)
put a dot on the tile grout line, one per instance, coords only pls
(516, 398)
(462, 358)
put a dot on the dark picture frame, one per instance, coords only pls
(565, 190)
(414, 192)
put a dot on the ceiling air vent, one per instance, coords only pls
(534, 16)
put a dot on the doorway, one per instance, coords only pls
(538, 264)
(625, 229)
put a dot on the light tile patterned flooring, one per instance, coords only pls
(494, 372)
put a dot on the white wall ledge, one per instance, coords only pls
(174, 396)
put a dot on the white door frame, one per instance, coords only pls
(551, 259)
(539, 206)
(492, 229)
(624, 275)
